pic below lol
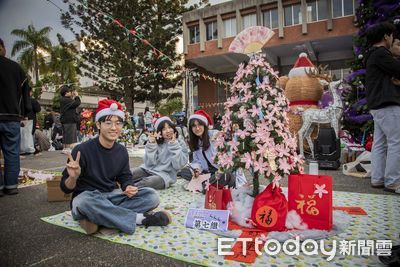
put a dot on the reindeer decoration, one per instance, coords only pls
(330, 114)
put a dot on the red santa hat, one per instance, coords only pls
(160, 120)
(203, 116)
(108, 107)
(302, 66)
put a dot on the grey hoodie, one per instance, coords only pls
(166, 160)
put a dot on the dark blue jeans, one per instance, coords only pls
(10, 138)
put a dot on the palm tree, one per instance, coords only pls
(63, 63)
(31, 42)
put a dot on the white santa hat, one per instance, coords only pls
(160, 120)
(108, 107)
(301, 67)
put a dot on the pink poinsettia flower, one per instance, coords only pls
(259, 61)
(248, 124)
(220, 141)
(261, 149)
(247, 159)
(232, 101)
(242, 134)
(275, 182)
(244, 87)
(279, 124)
(258, 136)
(247, 96)
(269, 117)
(242, 113)
(273, 91)
(284, 165)
(266, 87)
(225, 160)
(248, 71)
(281, 150)
(228, 114)
(264, 102)
(274, 109)
(260, 165)
(320, 190)
(254, 111)
(233, 144)
(281, 100)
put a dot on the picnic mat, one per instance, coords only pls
(200, 247)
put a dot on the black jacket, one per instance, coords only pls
(48, 121)
(381, 68)
(32, 114)
(14, 96)
(68, 109)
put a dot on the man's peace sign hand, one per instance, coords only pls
(73, 167)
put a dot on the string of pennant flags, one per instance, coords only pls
(157, 54)
(210, 105)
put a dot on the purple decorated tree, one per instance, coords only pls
(255, 133)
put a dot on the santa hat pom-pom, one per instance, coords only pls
(303, 55)
(113, 106)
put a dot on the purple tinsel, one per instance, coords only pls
(357, 50)
(359, 118)
(362, 102)
(326, 100)
(352, 75)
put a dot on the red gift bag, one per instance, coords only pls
(311, 197)
(269, 210)
(217, 198)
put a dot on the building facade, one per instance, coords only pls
(325, 34)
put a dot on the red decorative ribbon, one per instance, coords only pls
(303, 102)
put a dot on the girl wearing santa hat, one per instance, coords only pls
(201, 142)
(165, 155)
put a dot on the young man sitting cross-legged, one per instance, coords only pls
(92, 173)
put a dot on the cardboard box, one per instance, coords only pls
(54, 192)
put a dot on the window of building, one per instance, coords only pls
(211, 31)
(339, 74)
(194, 34)
(249, 20)
(270, 18)
(230, 27)
(342, 8)
(292, 15)
(316, 10)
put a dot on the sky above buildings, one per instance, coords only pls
(18, 14)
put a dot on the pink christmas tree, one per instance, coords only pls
(255, 132)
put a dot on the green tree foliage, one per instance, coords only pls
(171, 106)
(64, 63)
(123, 64)
(30, 44)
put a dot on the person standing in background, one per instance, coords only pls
(383, 99)
(68, 103)
(148, 118)
(14, 106)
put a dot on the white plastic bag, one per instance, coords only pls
(364, 160)
(27, 145)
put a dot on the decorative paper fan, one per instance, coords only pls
(251, 40)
